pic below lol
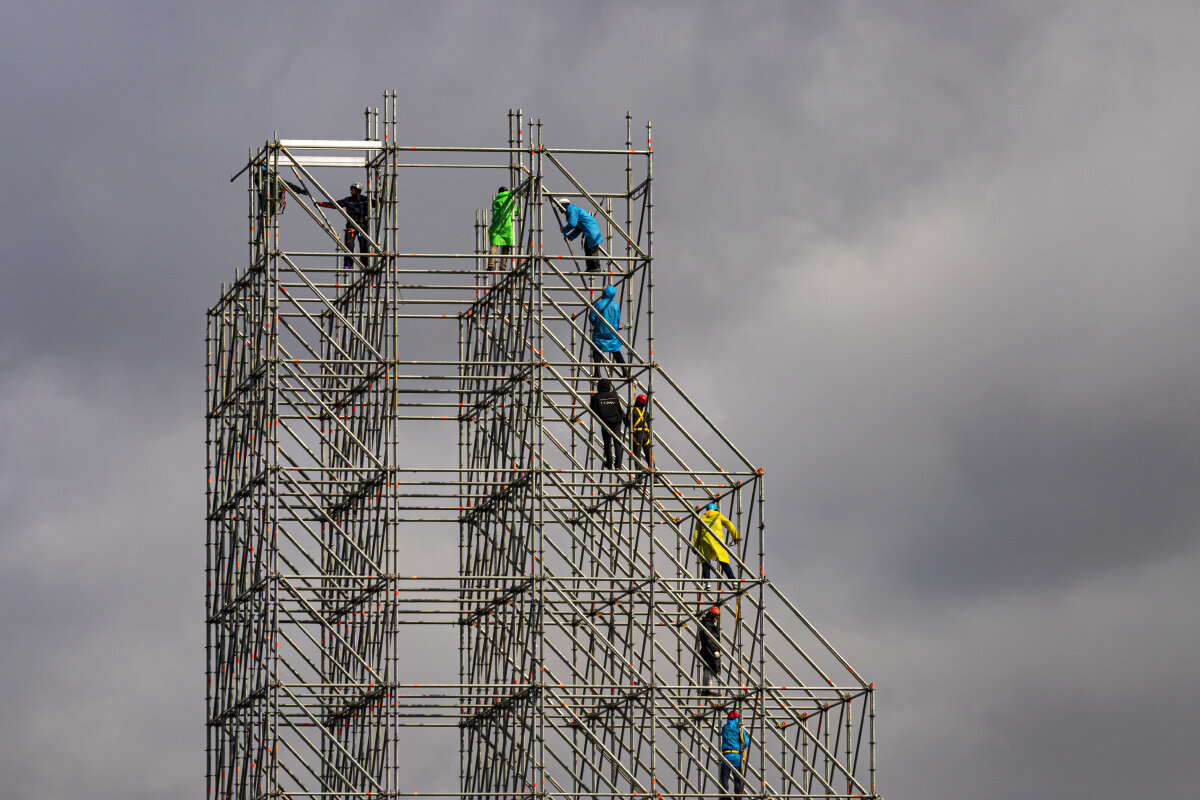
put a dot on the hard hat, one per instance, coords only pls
(564, 202)
(641, 399)
(715, 610)
(711, 506)
(610, 291)
(733, 714)
(356, 185)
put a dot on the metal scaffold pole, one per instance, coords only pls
(422, 538)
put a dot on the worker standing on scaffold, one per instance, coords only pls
(639, 426)
(272, 201)
(355, 207)
(735, 742)
(708, 648)
(709, 542)
(606, 321)
(606, 404)
(500, 232)
(581, 222)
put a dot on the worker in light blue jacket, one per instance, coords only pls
(734, 744)
(581, 222)
(605, 320)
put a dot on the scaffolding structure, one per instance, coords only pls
(560, 652)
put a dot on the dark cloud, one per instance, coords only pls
(931, 266)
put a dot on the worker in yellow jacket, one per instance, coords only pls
(710, 543)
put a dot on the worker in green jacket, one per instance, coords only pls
(500, 232)
(710, 543)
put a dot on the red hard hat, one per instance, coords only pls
(733, 714)
(715, 610)
(641, 399)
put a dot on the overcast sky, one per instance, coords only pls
(941, 256)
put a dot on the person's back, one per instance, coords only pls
(579, 221)
(732, 742)
(709, 636)
(504, 206)
(606, 320)
(607, 405)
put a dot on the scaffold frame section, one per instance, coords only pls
(579, 593)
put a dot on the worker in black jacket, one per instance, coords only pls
(606, 404)
(708, 648)
(355, 207)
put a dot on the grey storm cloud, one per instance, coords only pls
(932, 265)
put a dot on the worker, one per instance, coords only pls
(272, 200)
(500, 232)
(605, 319)
(707, 539)
(355, 207)
(606, 405)
(581, 222)
(734, 744)
(639, 426)
(708, 648)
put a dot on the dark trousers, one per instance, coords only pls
(642, 451)
(599, 358)
(728, 770)
(612, 448)
(592, 266)
(348, 238)
(706, 571)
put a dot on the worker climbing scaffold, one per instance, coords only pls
(735, 742)
(605, 319)
(709, 542)
(580, 222)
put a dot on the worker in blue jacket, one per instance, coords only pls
(734, 744)
(605, 320)
(581, 222)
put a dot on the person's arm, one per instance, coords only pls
(729, 525)
(571, 229)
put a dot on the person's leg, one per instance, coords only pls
(593, 264)
(492, 256)
(725, 773)
(363, 245)
(705, 571)
(619, 358)
(608, 445)
(728, 570)
(738, 785)
(348, 237)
